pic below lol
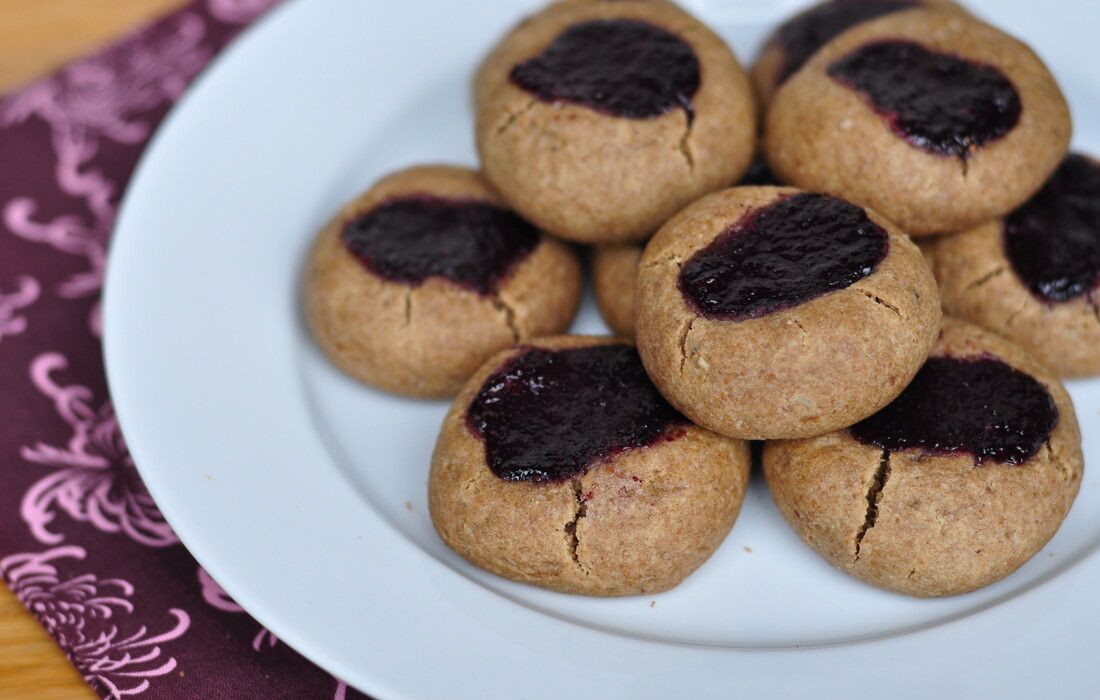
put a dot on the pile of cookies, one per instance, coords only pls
(755, 237)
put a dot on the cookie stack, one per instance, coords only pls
(774, 296)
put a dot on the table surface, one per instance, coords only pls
(35, 37)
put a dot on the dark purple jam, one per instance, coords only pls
(759, 173)
(979, 406)
(471, 243)
(620, 67)
(783, 255)
(1053, 241)
(803, 35)
(549, 415)
(938, 102)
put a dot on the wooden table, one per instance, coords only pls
(36, 36)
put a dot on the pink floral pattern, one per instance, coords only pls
(100, 98)
(70, 484)
(94, 479)
(26, 294)
(82, 613)
(237, 11)
(216, 597)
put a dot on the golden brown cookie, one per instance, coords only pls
(1034, 276)
(766, 312)
(599, 120)
(934, 119)
(415, 283)
(614, 269)
(953, 486)
(797, 40)
(531, 483)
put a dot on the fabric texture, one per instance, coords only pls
(82, 544)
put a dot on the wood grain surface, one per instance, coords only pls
(37, 36)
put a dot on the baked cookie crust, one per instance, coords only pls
(824, 136)
(591, 177)
(926, 524)
(426, 340)
(807, 370)
(638, 522)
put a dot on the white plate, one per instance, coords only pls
(304, 493)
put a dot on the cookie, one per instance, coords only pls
(1034, 276)
(414, 284)
(615, 268)
(797, 40)
(560, 465)
(767, 312)
(934, 119)
(598, 121)
(951, 487)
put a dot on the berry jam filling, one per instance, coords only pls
(779, 256)
(1053, 241)
(471, 243)
(620, 67)
(550, 415)
(803, 35)
(938, 102)
(979, 406)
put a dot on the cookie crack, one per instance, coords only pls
(408, 306)
(986, 278)
(685, 144)
(1095, 305)
(508, 314)
(1012, 316)
(514, 116)
(874, 495)
(683, 343)
(1059, 464)
(880, 301)
(575, 201)
(1049, 453)
(571, 526)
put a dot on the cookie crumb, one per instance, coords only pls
(652, 603)
(748, 549)
(409, 506)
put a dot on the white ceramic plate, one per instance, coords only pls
(304, 493)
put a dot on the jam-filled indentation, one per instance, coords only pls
(803, 35)
(938, 102)
(1053, 241)
(622, 67)
(779, 256)
(550, 415)
(471, 243)
(975, 405)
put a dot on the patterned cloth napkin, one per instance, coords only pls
(82, 544)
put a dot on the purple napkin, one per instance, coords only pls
(82, 544)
